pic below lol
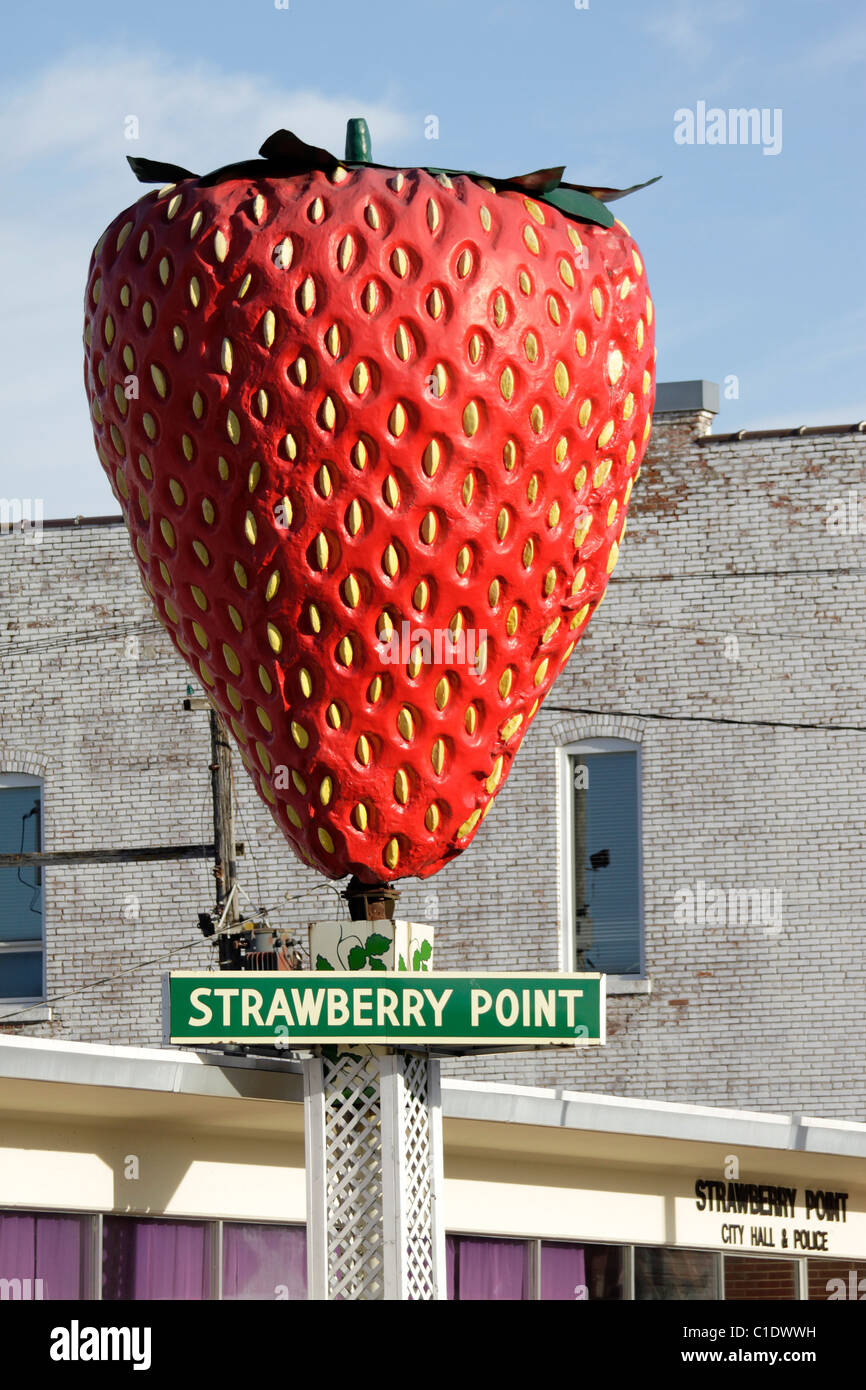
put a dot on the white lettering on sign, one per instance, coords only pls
(480, 1003)
(438, 1005)
(570, 995)
(308, 1005)
(338, 1008)
(251, 1008)
(545, 1007)
(413, 1008)
(386, 1008)
(204, 1009)
(279, 1009)
(507, 1007)
(227, 994)
(362, 1001)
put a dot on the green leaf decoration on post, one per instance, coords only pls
(426, 950)
(357, 958)
(377, 944)
(322, 964)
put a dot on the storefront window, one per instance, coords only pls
(264, 1261)
(580, 1272)
(751, 1278)
(43, 1257)
(483, 1268)
(144, 1259)
(674, 1274)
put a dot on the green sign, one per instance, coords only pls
(297, 1008)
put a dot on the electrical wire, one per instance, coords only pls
(668, 576)
(249, 844)
(710, 719)
(720, 633)
(665, 577)
(81, 639)
(105, 980)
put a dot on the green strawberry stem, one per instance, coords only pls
(358, 147)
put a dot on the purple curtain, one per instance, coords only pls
(264, 1261)
(481, 1268)
(144, 1259)
(563, 1272)
(451, 1265)
(50, 1248)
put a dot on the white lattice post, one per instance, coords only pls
(373, 1139)
(314, 1151)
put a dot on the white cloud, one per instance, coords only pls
(62, 159)
(193, 115)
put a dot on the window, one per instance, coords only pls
(44, 1256)
(661, 1275)
(56, 1255)
(486, 1268)
(572, 1272)
(602, 890)
(262, 1261)
(21, 906)
(143, 1259)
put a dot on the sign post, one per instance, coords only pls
(372, 1091)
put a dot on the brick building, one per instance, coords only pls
(687, 813)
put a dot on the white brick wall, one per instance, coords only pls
(738, 1015)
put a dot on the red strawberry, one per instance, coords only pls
(369, 398)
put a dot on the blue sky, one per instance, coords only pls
(755, 260)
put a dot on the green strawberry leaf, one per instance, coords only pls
(416, 960)
(401, 963)
(284, 155)
(322, 964)
(357, 958)
(376, 964)
(153, 171)
(377, 944)
(579, 205)
(426, 950)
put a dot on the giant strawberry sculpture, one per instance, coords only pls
(374, 434)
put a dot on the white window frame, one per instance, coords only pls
(616, 984)
(18, 1002)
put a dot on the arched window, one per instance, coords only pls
(22, 916)
(602, 888)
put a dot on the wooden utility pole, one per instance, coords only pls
(225, 865)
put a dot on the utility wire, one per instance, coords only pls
(710, 719)
(602, 623)
(250, 851)
(80, 639)
(106, 980)
(159, 960)
(665, 577)
(669, 576)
